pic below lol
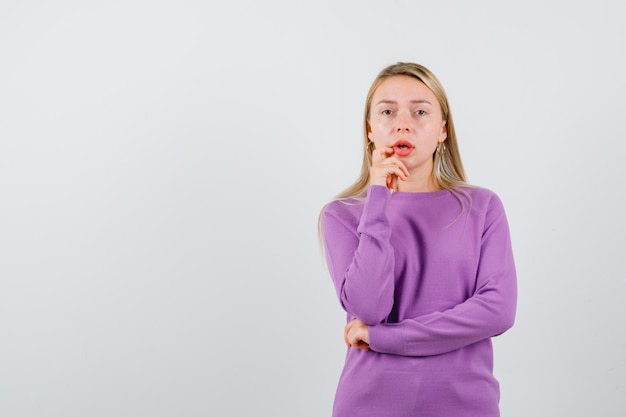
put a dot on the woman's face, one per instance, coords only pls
(406, 116)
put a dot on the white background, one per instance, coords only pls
(163, 163)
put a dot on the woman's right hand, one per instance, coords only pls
(387, 168)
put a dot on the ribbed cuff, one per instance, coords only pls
(387, 338)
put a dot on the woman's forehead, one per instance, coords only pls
(403, 88)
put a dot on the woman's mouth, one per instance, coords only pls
(403, 147)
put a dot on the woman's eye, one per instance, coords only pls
(387, 112)
(420, 112)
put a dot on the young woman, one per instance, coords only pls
(421, 261)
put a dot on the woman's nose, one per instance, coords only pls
(403, 123)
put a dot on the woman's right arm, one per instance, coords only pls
(360, 257)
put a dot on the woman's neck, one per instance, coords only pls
(421, 179)
(417, 184)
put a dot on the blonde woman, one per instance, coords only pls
(421, 261)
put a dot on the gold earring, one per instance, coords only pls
(441, 148)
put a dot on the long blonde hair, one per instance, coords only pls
(448, 169)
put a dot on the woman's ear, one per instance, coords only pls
(443, 135)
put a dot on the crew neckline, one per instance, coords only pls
(418, 195)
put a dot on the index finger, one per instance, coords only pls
(382, 153)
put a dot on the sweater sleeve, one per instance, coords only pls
(361, 261)
(489, 312)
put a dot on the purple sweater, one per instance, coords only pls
(434, 287)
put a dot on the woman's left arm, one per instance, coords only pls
(489, 312)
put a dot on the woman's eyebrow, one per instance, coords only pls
(420, 101)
